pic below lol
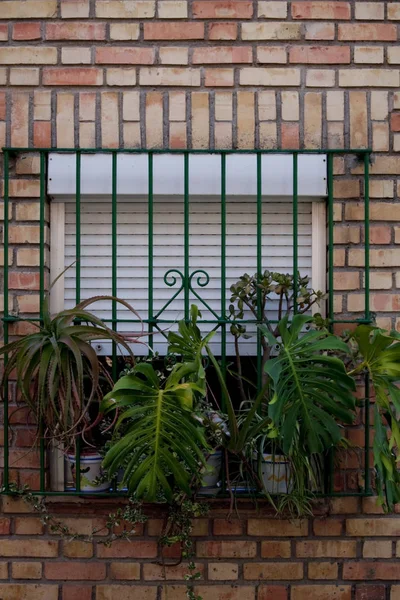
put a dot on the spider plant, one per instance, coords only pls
(58, 373)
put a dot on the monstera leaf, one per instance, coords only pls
(380, 358)
(160, 435)
(311, 392)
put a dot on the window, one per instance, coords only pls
(174, 279)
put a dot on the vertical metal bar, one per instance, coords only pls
(186, 235)
(330, 237)
(367, 317)
(42, 476)
(78, 289)
(259, 268)
(223, 263)
(366, 234)
(295, 230)
(6, 311)
(366, 443)
(78, 228)
(114, 177)
(150, 247)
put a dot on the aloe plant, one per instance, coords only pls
(162, 434)
(57, 370)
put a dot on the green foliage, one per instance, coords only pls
(58, 372)
(379, 356)
(162, 435)
(311, 392)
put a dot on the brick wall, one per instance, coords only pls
(339, 555)
(208, 74)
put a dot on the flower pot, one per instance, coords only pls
(212, 475)
(275, 473)
(91, 472)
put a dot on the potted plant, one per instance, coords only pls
(62, 380)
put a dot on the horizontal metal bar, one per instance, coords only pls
(192, 151)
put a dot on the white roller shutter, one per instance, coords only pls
(205, 253)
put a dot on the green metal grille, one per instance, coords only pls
(186, 288)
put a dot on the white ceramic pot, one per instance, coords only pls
(214, 464)
(91, 470)
(275, 473)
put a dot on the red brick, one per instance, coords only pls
(75, 31)
(225, 527)
(222, 9)
(272, 592)
(321, 10)
(222, 31)
(330, 55)
(370, 570)
(370, 592)
(290, 134)
(74, 570)
(395, 122)
(76, 592)
(328, 527)
(275, 549)
(73, 76)
(218, 78)
(321, 592)
(24, 281)
(222, 54)
(173, 31)
(4, 526)
(124, 56)
(358, 32)
(126, 549)
(380, 234)
(26, 31)
(42, 134)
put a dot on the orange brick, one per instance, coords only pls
(154, 120)
(173, 31)
(321, 592)
(377, 549)
(344, 234)
(155, 572)
(73, 76)
(370, 570)
(222, 54)
(273, 571)
(328, 527)
(218, 78)
(346, 188)
(28, 526)
(222, 9)
(200, 120)
(23, 234)
(26, 31)
(26, 570)
(19, 120)
(326, 548)
(346, 280)
(223, 571)
(77, 549)
(124, 56)
(76, 31)
(322, 570)
(222, 31)
(29, 548)
(357, 32)
(329, 55)
(231, 549)
(373, 527)
(128, 549)
(75, 571)
(137, 592)
(125, 570)
(321, 10)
